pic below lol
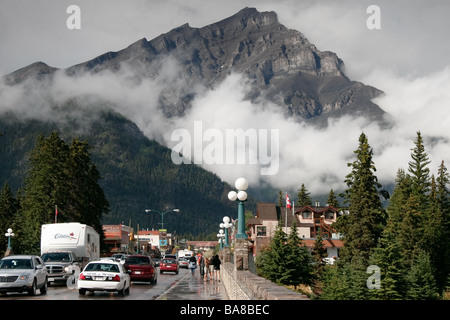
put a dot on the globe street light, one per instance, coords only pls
(9, 234)
(241, 185)
(220, 235)
(225, 225)
(162, 214)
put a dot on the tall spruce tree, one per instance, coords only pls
(296, 267)
(363, 225)
(332, 200)
(303, 197)
(64, 176)
(419, 171)
(8, 210)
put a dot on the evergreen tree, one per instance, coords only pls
(388, 257)
(420, 279)
(303, 197)
(59, 175)
(296, 266)
(271, 264)
(318, 252)
(332, 200)
(362, 227)
(8, 210)
(280, 198)
(420, 173)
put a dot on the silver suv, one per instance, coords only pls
(20, 273)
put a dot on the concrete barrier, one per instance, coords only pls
(244, 285)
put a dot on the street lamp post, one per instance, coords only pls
(241, 185)
(162, 214)
(9, 234)
(225, 225)
(241, 243)
(221, 235)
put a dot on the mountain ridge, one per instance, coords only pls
(280, 62)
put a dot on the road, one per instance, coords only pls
(170, 286)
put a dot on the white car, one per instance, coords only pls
(104, 276)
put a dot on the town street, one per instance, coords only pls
(170, 286)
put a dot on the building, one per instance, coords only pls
(202, 245)
(117, 238)
(309, 220)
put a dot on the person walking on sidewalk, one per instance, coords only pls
(217, 263)
(192, 264)
(201, 265)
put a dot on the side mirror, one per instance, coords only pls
(39, 266)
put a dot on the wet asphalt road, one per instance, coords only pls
(170, 286)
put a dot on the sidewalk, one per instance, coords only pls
(192, 287)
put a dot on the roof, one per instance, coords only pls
(203, 243)
(327, 243)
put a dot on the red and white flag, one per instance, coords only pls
(288, 202)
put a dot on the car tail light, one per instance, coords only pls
(116, 278)
(82, 277)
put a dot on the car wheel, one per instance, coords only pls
(44, 287)
(122, 292)
(32, 290)
(82, 292)
(160, 272)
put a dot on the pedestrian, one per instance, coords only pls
(216, 264)
(201, 264)
(207, 271)
(192, 264)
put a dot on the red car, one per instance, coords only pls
(168, 264)
(142, 268)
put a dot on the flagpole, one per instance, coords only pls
(285, 216)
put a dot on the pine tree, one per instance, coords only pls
(280, 198)
(363, 225)
(420, 279)
(332, 200)
(59, 175)
(296, 267)
(388, 257)
(8, 210)
(271, 264)
(420, 173)
(303, 197)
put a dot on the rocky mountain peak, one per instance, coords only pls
(285, 68)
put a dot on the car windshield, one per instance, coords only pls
(138, 260)
(56, 256)
(104, 267)
(168, 261)
(15, 264)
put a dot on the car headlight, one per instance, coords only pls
(24, 277)
(67, 269)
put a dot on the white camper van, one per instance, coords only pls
(67, 247)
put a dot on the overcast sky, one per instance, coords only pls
(408, 58)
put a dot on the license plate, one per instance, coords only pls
(51, 279)
(99, 278)
(137, 272)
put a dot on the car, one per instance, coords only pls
(103, 275)
(20, 273)
(172, 256)
(168, 264)
(142, 268)
(183, 262)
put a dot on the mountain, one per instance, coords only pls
(283, 66)
(137, 173)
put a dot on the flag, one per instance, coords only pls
(288, 202)
(56, 213)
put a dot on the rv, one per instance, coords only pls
(66, 248)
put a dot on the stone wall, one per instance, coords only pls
(244, 285)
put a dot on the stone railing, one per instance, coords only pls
(244, 285)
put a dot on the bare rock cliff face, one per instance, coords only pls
(285, 68)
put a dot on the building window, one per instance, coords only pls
(329, 215)
(261, 231)
(306, 215)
